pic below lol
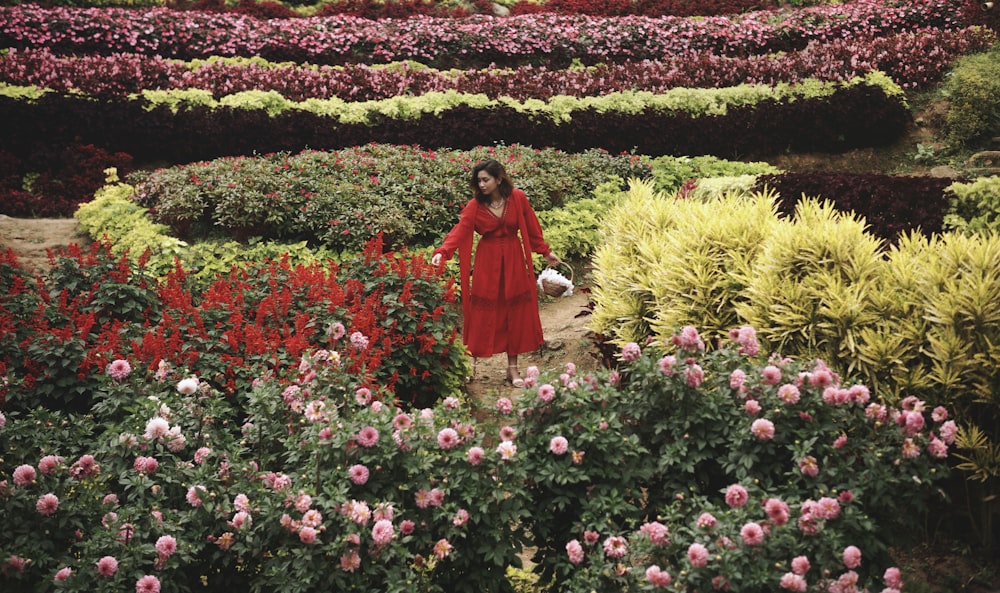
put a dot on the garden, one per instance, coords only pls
(249, 375)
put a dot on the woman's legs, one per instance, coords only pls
(513, 375)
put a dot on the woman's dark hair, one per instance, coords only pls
(496, 170)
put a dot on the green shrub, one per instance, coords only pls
(974, 207)
(973, 89)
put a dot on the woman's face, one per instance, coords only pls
(487, 183)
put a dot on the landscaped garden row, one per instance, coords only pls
(555, 41)
(186, 126)
(300, 475)
(912, 60)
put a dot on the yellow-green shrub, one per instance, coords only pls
(974, 207)
(974, 93)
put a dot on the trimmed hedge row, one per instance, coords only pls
(851, 117)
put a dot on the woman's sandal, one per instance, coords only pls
(514, 377)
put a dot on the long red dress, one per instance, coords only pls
(501, 305)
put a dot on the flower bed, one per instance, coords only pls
(310, 476)
(552, 40)
(913, 60)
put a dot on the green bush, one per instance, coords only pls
(974, 207)
(973, 89)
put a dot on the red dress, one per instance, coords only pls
(501, 305)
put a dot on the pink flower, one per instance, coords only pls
(166, 545)
(752, 534)
(840, 441)
(852, 557)
(24, 475)
(242, 503)
(359, 474)
(382, 532)
(736, 496)
(688, 339)
(939, 414)
(575, 552)
(367, 436)
(746, 337)
(698, 555)
(442, 549)
(187, 386)
(667, 365)
(307, 535)
(752, 407)
(615, 546)
(736, 379)
(808, 466)
(505, 406)
(771, 375)
(777, 511)
(47, 504)
(657, 533)
(406, 527)
(827, 508)
(336, 330)
(893, 578)
(793, 582)
(631, 352)
(107, 566)
(312, 518)
(706, 521)
(475, 455)
(789, 394)
(694, 376)
(507, 433)
(558, 445)
(657, 577)
(546, 392)
(145, 465)
(240, 520)
(461, 518)
(350, 561)
(63, 574)
(147, 584)
(119, 369)
(192, 495)
(49, 464)
(948, 432)
(591, 537)
(936, 448)
(763, 429)
(800, 565)
(910, 449)
(447, 438)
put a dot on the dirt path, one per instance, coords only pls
(31, 238)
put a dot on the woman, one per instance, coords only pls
(501, 305)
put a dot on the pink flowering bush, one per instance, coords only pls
(707, 492)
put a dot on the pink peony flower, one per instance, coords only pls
(746, 337)
(192, 495)
(736, 496)
(736, 379)
(694, 375)
(382, 532)
(615, 546)
(49, 464)
(358, 474)
(631, 352)
(47, 504)
(657, 533)
(697, 555)
(575, 552)
(666, 365)
(145, 465)
(808, 466)
(763, 429)
(461, 518)
(657, 577)
(852, 557)
(507, 433)
(24, 475)
(793, 582)
(307, 535)
(939, 414)
(752, 407)
(119, 370)
(187, 386)
(800, 565)
(507, 450)
(893, 578)
(63, 574)
(546, 392)
(166, 545)
(948, 432)
(777, 511)
(406, 527)
(706, 521)
(359, 340)
(147, 584)
(447, 438)
(591, 537)
(312, 518)
(505, 406)
(367, 436)
(107, 566)
(910, 449)
(442, 549)
(827, 508)
(350, 561)
(475, 455)
(752, 534)
(770, 375)
(688, 339)
(156, 428)
(789, 394)
(559, 445)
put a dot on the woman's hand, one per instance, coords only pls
(436, 260)
(552, 259)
